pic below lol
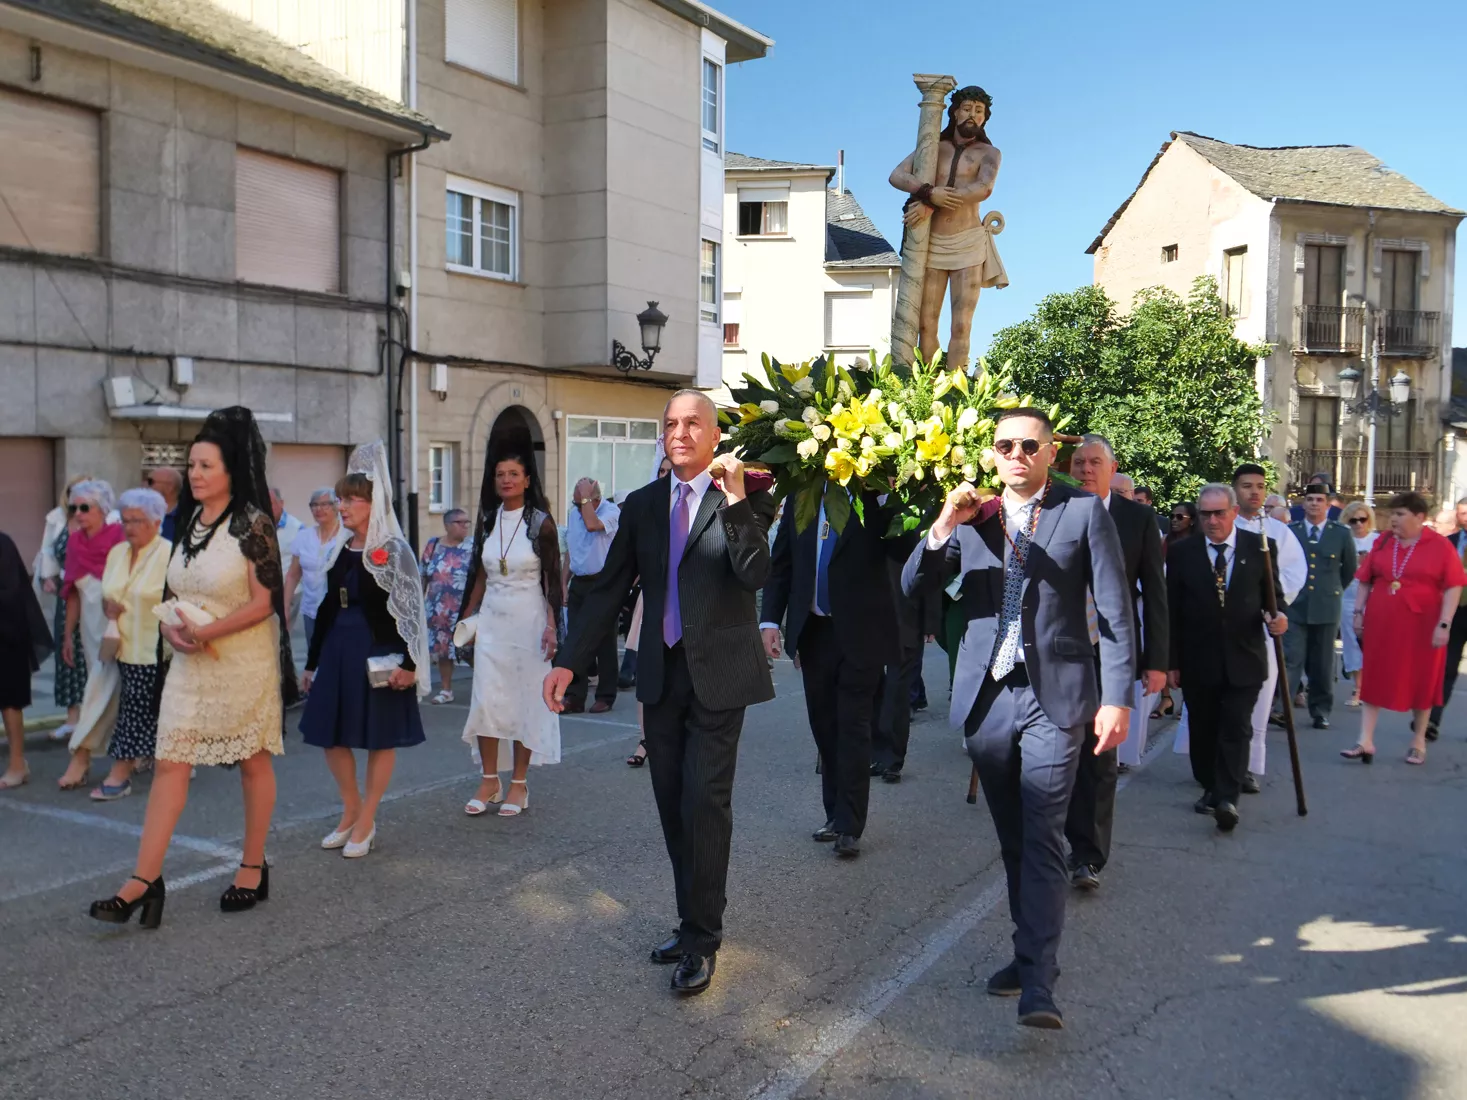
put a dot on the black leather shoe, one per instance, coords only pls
(693, 974)
(1227, 817)
(669, 951)
(1249, 784)
(847, 846)
(1203, 805)
(1432, 731)
(1005, 983)
(1037, 1009)
(1321, 722)
(877, 769)
(826, 833)
(892, 775)
(1085, 877)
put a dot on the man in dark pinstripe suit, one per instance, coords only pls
(699, 544)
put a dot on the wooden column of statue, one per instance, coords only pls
(947, 244)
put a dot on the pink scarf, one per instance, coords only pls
(87, 556)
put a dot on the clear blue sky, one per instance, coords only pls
(1085, 94)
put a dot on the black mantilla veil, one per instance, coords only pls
(249, 519)
(537, 514)
(968, 95)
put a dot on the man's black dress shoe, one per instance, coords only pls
(1227, 817)
(826, 833)
(1249, 785)
(892, 775)
(669, 951)
(1433, 731)
(847, 846)
(1005, 982)
(877, 769)
(1085, 877)
(1321, 722)
(1037, 1009)
(694, 973)
(1203, 805)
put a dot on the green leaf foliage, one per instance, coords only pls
(837, 507)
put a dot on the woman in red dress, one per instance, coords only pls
(1409, 583)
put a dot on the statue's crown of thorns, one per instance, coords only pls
(971, 92)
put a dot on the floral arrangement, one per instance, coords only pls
(917, 432)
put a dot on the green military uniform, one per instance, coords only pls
(1314, 616)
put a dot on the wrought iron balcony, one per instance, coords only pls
(1329, 330)
(1409, 332)
(1395, 471)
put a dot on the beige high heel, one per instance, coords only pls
(476, 807)
(511, 809)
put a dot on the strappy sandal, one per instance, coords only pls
(1415, 755)
(1357, 753)
(475, 807)
(512, 809)
(1163, 707)
(10, 780)
(638, 758)
(443, 696)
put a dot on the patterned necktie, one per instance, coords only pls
(1010, 627)
(1313, 532)
(1220, 572)
(677, 541)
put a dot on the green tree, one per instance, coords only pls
(1168, 384)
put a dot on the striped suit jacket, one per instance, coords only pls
(723, 566)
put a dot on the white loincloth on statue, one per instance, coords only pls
(966, 249)
(1258, 746)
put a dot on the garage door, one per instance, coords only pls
(27, 491)
(299, 469)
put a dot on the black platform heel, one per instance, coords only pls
(239, 898)
(115, 910)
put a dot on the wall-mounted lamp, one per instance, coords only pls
(651, 321)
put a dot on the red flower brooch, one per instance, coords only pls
(379, 556)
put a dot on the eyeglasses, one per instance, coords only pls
(1359, 521)
(1180, 515)
(1212, 513)
(1005, 446)
(73, 509)
(321, 504)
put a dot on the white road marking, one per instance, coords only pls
(107, 824)
(835, 1036)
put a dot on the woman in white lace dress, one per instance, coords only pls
(231, 671)
(514, 598)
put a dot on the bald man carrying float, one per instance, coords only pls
(699, 542)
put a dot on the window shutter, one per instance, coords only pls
(287, 222)
(848, 320)
(484, 35)
(50, 175)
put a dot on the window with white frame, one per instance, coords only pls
(482, 226)
(764, 211)
(617, 452)
(484, 35)
(1235, 301)
(440, 476)
(712, 87)
(848, 318)
(708, 283)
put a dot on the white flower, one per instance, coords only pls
(821, 432)
(970, 472)
(989, 459)
(771, 407)
(805, 386)
(959, 455)
(892, 440)
(811, 415)
(807, 448)
(867, 443)
(782, 426)
(967, 418)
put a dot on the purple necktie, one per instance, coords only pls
(677, 541)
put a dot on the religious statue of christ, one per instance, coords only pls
(961, 251)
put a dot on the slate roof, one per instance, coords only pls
(201, 32)
(740, 162)
(1332, 175)
(851, 238)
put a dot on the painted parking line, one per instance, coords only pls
(107, 824)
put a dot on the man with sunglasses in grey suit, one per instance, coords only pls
(1027, 683)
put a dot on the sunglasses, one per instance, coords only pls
(1005, 447)
(1359, 521)
(1180, 515)
(73, 509)
(1212, 513)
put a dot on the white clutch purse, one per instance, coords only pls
(380, 669)
(464, 632)
(167, 613)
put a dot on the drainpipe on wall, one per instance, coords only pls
(390, 308)
(412, 96)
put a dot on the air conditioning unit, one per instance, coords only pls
(438, 380)
(119, 391)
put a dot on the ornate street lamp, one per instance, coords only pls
(1375, 405)
(651, 321)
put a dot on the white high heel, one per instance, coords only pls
(335, 838)
(476, 806)
(510, 809)
(352, 850)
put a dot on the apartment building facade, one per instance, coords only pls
(807, 271)
(1343, 266)
(192, 214)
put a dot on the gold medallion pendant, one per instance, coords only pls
(1395, 587)
(504, 568)
(341, 592)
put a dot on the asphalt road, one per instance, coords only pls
(1316, 957)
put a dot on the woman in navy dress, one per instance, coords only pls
(373, 608)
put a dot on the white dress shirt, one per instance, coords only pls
(1293, 566)
(1231, 543)
(699, 485)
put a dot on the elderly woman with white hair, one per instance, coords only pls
(90, 504)
(312, 550)
(132, 585)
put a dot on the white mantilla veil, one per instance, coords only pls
(390, 560)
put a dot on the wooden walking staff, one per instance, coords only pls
(907, 318)
(1271, 605)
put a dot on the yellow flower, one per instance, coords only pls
(848, 423)
(793, 374)
(960, 381)
(840, 465)
(748, 413)
(940, 385)
(934, 447)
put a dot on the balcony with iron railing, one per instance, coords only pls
(1409, 332)
(1329, 330)
(1395, 471)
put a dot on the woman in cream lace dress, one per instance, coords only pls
(231, 671)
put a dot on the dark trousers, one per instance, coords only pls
(603, 665)
(1027, 767)
(840, 699)
(1092, 805)
(894, 710)
(1456, 640)
(691, 753)
(1309, 650)
(1220, 720)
